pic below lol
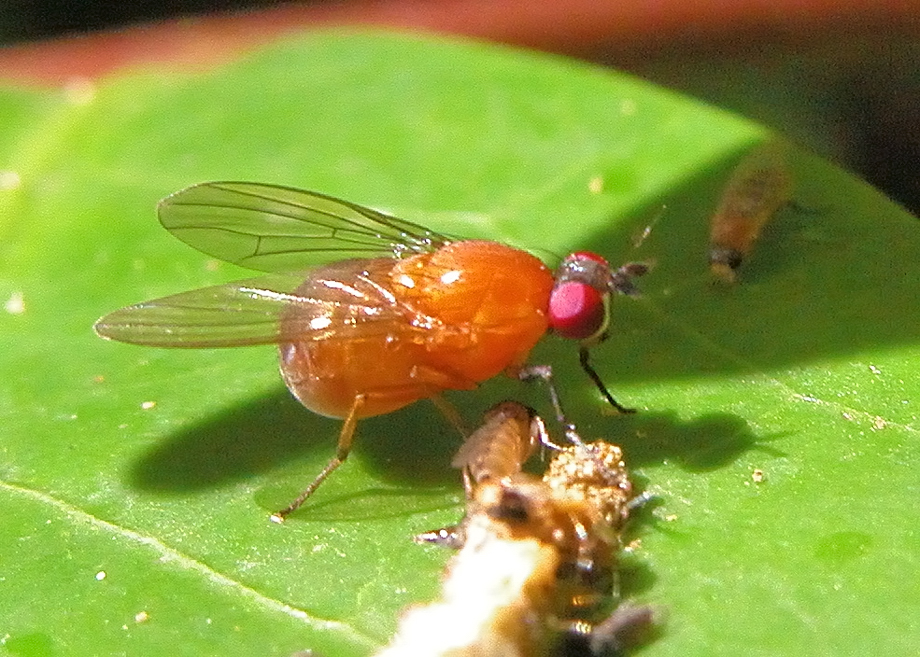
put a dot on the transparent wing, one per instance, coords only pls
(342, 301)
(276, 229)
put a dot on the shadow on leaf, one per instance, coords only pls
(271, 431)
(703, 444)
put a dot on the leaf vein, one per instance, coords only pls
(169, 554)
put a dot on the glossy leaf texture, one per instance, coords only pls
(778, 417)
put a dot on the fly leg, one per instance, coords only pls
(545, 373)
(598, 383)
(450, 411)
(346, 438)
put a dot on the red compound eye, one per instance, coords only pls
(577, 310)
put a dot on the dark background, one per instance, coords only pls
(22, 20)
(850, 91)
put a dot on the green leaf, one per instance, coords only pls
(158, 468)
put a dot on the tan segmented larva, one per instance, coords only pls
(537, 563)
(507, 438)
(758, 187)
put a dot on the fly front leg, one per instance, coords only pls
(545, 374)
(346, 439)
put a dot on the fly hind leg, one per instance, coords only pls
(346, 438)
(426, 382)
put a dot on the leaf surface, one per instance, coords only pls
(137, 482)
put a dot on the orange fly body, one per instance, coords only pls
(370, 312)
(757, 189)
